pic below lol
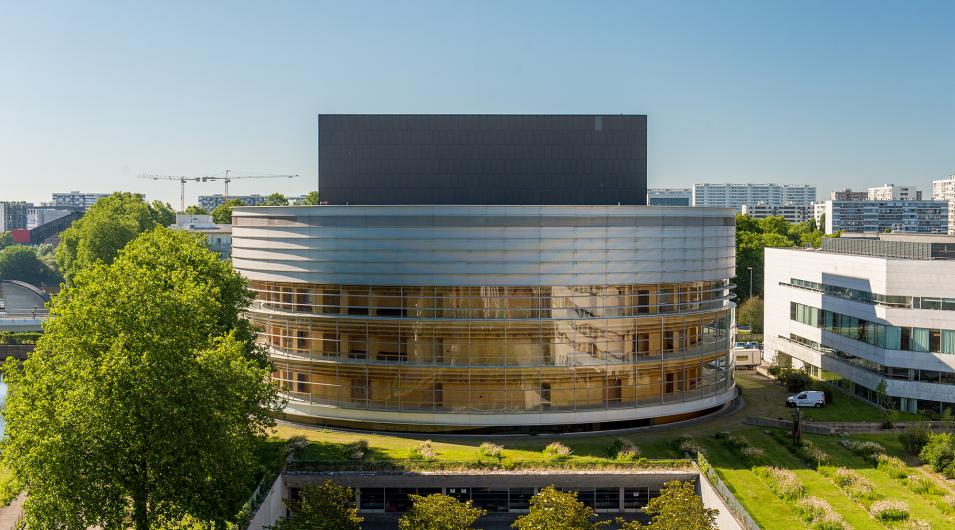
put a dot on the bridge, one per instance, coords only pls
(22, 306)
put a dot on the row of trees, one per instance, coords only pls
(222, 214)
(329, 506)
(145, 398)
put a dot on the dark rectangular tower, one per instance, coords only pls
(501, 159)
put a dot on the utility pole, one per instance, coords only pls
(750, 281)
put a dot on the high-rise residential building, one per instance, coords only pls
(208, 202)
(13, 215)
(77, 200)
(929, 217)
(670, 197)
(793, 213)
(944, 190)
(484, 313)
(891, 192)
(863, 310)
(736, 195)
(846, 194)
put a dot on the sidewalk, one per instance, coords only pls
(10, 515)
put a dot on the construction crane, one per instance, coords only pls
(230, 176)
(182, 185)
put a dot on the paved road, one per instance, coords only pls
(9, 515)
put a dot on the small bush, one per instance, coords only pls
(796, 380)
(624, 449)
(782, 482)
(914, 524)
(914, 439)
(423, 451)
(890, 510)
(688, 444)
(753, 455)
(295, 445)
(945, 504)
(811, 453)
(355, 451)
(864, 449)
(557, 450)
(819, 514)
(490, 450)
(857, 487)
(891, 466)
(923, 486)
(939, 452)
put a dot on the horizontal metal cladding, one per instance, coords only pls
(484, 245)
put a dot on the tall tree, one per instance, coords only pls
(222, 214)
(193, 209)
(310, 199)
(143, 400)
(557, 510)
(679, 508)
(750, 313)
(106, 228)
(325, 506)
(6, 239)
(20, 262)
(275, 199)
(439, 512)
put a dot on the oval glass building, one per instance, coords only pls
(464, 317)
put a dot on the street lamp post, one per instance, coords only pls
(750, 269)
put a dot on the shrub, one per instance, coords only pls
(557, 450)
(939, 452)
(864, 449)
(624, 449)
(782, 482)
(914, 439)
(490, 450)
(890, 510)
(355, 450)
(439, 512)
(946, 504)
(923, 486)
(423, 451)
(914, 524)
(819, 514)
(852, 483)
(811, 453)
(688, 444)
(892, 466)
(796, 380)
(753, 455)
(295, 445)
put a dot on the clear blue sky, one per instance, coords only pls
(831, 93)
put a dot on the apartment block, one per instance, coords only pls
(929, 217)
(736, 195)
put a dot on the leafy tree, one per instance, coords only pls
(750, 313)
(106, 228)
(222, 214)
(557, 510)
(6, 239)
(439, 512)
(20, 262)
(275, 199)
(193, 209)
(326, 506)
(310, 199)
(679, 508)
(774, 224)
(142, 402)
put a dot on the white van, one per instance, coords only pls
(807, 398)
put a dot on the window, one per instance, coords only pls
(545, 396)
(302, 382)
(302, 342)
(643, 301)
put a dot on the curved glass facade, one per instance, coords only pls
(497, 349)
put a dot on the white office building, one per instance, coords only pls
(863, 310)
(891, 192)
(670, 197)
(76, 199)
(944, 190)
(736, 195)
(793, 213)
(925, 217)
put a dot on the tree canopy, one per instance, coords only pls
(193, 209)
(275, 199)
(143, 401)
(754, 235)
(439, 512)
(325, 506)
(20, 262)
(106, 228)
(6, 239)
(679, 508)
(222, 214)
(558, 510)
(750, 313)
(310, 199)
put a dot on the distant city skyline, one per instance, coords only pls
(830, 94)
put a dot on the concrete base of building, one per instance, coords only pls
(464, 423)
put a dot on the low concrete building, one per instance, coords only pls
(218, 237)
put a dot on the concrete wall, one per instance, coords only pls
(272, 508)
